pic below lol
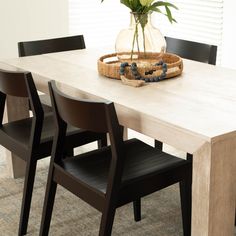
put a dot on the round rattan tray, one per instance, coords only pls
(109, 66)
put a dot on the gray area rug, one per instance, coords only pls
(161, 215)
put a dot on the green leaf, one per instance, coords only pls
(136, 4)
(156, 10)
(169, 15)
(125, 2)
(142, 9)
(174, 20)
(160, 3)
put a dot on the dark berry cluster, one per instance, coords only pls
(137, 76)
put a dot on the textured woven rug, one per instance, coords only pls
(161, 215)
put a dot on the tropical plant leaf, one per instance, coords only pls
(126, 3)
(173, 19)
(153, 8)
(142, 9)
(136, 6)
(169, 15)
(161, 3)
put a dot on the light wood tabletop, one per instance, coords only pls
(195, 112)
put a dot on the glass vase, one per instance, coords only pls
(141, 36)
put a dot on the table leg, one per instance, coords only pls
(17, 108)
(213, 198)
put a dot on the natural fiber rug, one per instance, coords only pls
(161, 214)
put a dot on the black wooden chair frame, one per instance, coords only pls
(21, 84)
(37, 47)
(80, 113)
(190, 50)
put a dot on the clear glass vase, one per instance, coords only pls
(141, 36)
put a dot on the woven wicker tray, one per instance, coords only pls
(109, 66)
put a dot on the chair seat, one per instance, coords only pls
(17, 135)
(141, 160)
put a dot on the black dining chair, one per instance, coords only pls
(190, 50)
(37, 47)
(113, 176)
(31, 138)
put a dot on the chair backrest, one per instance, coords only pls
(192, 50)
(51, 45)
(93, 116)
(13, 83)
(19, 84)
(85, 114)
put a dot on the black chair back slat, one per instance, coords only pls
(51, 45)
(192, 50)
(83, 114)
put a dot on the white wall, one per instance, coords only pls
(24, 20)
(229, 35)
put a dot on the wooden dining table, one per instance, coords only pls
(195, 112)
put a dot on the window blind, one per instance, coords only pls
(98, 22)
(198, 20)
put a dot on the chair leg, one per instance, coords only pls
(107, 221)
(102, 142)
(48, 207)
(27, 196)
(137, 209)
(186, 204)
(158, 144)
